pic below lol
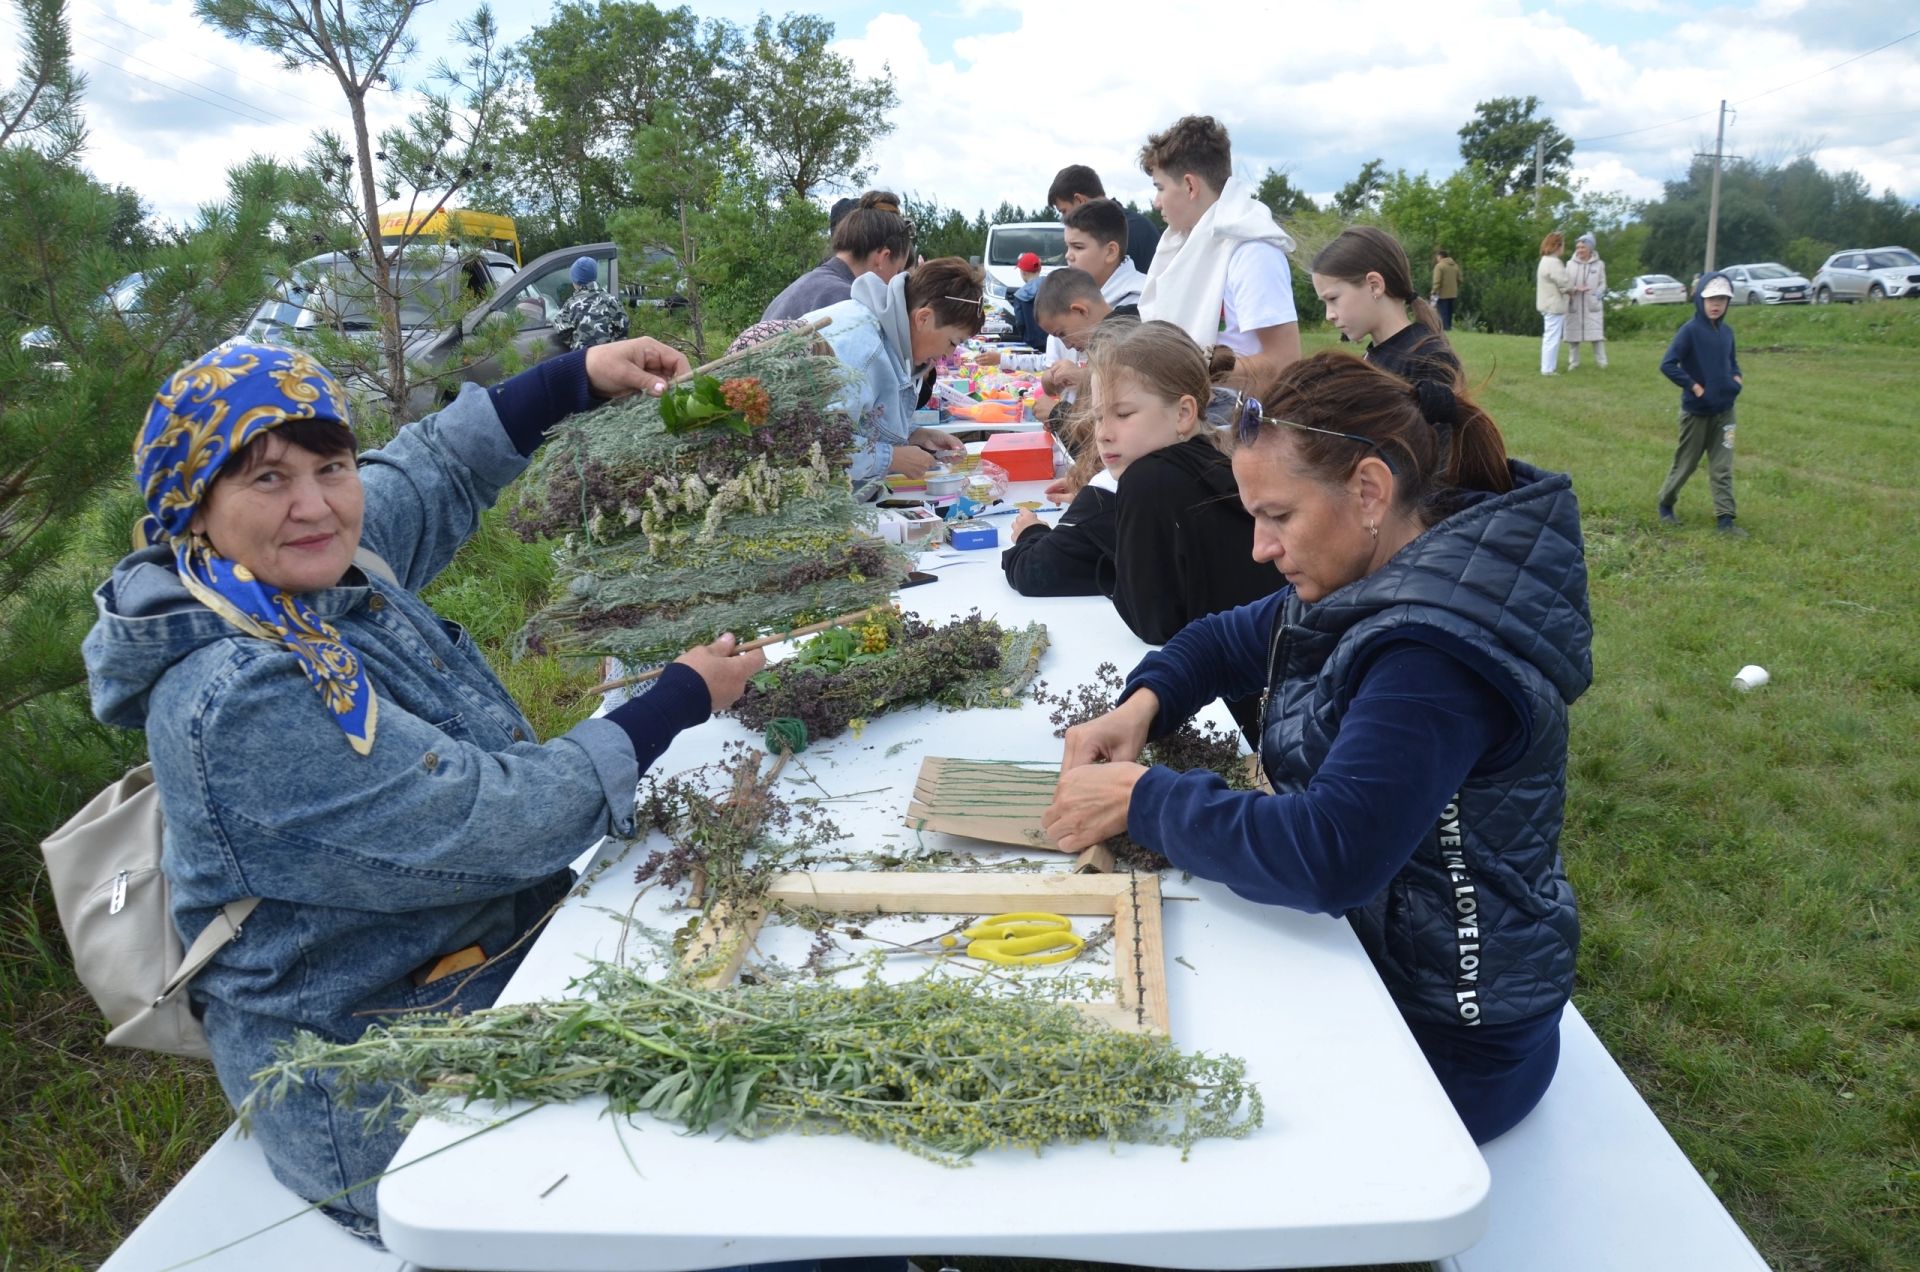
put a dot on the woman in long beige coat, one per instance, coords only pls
(1586, 303)
(1550, 298)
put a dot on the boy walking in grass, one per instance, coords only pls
(1701, 361)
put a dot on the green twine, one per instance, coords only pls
(784, 733)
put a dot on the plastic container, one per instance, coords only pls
(1025, 456)
(939, 484)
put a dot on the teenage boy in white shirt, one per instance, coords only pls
(1221, 271)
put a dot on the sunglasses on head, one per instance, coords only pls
(1250, 415)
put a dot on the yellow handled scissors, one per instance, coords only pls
(1014, 940)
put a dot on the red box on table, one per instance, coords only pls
(1025, 456)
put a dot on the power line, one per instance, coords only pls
(205, 88)
(1687, 119)
(306, 101)
(171, 88)
(1836, 66)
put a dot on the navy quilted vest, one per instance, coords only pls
(1480, 924)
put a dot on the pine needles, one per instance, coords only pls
(942, 1067)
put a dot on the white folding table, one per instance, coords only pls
(1361, 1158)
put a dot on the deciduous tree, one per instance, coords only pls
(1500, 138)
(807, 114)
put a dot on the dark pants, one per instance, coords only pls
(1493, 1074)
(1444, 307)
(1711, 436)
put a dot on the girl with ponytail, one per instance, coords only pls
(1414, 676)
(1365, 282)
(1171, 542)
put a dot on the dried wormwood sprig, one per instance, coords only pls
(943, 1067)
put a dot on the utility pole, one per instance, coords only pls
(1539, 162)
(1713, 200)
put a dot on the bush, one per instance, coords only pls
(1499, 300)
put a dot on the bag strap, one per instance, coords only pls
(222, 929)
(373, 563)
(225, 925)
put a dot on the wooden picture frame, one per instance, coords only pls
(1130, 901)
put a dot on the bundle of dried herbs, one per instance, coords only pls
(895, 662)
(722, 507)
(1196, 744)
(943, 1067)
(731, 832)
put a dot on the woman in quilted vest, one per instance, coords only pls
(1415, 676)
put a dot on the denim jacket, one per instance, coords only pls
(880, 396)
(455, 830)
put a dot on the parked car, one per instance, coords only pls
(122, 300)
(1654, 289)
(1874, 273)
(1767, 284)
(332, 292)
(1007, 243)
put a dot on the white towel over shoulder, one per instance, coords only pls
(1189, 275)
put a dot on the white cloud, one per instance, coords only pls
(1316, 90)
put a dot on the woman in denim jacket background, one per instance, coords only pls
(324, 741)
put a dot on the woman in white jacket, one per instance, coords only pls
(1586, 301)
(1550, 298)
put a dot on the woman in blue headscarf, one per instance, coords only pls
(323, 741)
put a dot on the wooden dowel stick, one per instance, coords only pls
(811, 328)
(844, 620)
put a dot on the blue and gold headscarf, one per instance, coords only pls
(203, 416)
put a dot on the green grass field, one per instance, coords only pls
(1747, 864)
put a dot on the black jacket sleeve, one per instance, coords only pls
(1149, 590)
(1073, 558)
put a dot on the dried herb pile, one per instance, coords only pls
(735, 515)
(731, 831)
(942, 1067)
(854, 674)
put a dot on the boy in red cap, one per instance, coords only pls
(1026, 328)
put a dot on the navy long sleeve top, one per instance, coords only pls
(1423, 716)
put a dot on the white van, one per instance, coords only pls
(1008, 243)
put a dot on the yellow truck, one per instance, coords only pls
(478, 229)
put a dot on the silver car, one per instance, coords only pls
(1874, 273)
(1767, 284)
(333, 291)
(1654, 289)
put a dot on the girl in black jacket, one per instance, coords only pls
(1364, 280)
(1173, 542)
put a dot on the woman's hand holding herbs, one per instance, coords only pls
(725, 671)
(1118, 736)
(1090, 804)
(642, 365)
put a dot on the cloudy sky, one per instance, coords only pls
(996, 95)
